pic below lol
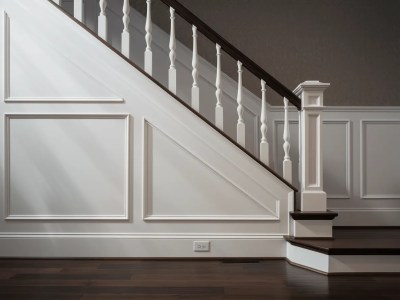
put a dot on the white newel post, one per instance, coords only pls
(313, 197)
(102, 20)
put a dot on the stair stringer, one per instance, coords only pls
(248, 221)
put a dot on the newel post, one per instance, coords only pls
(313, 197)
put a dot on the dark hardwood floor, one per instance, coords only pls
(183, 279)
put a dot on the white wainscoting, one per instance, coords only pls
(176, 191)
(66, 167)
(360, 159)
(73, 172)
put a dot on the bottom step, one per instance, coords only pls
(351, 251)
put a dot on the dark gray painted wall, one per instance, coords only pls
(353, 44)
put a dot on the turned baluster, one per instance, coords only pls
(125, 36)
(264, 146)
(78, 10)
(172, 54)
(195, 73)
(287, 163)
(240, 127)
(219, 110)
(102, 20)
(148, 55)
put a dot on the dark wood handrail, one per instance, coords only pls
(234, 52)
(212, 125)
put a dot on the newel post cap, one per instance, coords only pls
(311, 93)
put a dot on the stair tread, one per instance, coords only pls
(354, 242)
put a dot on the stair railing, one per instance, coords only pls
(307, 98)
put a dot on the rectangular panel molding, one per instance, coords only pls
(67, 166)
(380, 154)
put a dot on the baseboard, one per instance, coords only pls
(125, 247)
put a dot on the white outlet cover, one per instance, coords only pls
(201, 246)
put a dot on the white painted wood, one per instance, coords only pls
(219, 110)
(307, 258)
(35, 85)
(79, 10)
(240, 127)
(126, 35)
(62, 174)
(336, 149)
(312, 228)
(141, 100)
(137, 246)
(148, 54)
(195, 73)
(264, 146)
(312, 193)
(332, 264)
(6, 56)
(162, 203)
(102, 27)
(207, 71)
(172, 54)
(374, 158)
(287, 162)
(57, 2)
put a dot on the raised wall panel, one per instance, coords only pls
(179, 185)
(35, 71)
(336, 143)
(66, 166)
(380, 164)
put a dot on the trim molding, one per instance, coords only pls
(127, 171)
(7, 84)
(363, 168)
(147, 216)
(6, 55)
(348, 159)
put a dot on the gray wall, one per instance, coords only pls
(354, 45)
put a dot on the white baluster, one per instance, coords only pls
(240, 127)
(126, 36)
(102, 20)
(78, 10)
(219, 110)
(195, 73)
(148, 55)
(172, 54)
(264, 146)
(287, 163)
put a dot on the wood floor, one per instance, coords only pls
(183, 279)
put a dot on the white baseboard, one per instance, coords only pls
(138, 247)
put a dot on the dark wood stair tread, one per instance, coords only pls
(358, 241)
(314, 215)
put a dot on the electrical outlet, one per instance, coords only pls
(201, 246)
